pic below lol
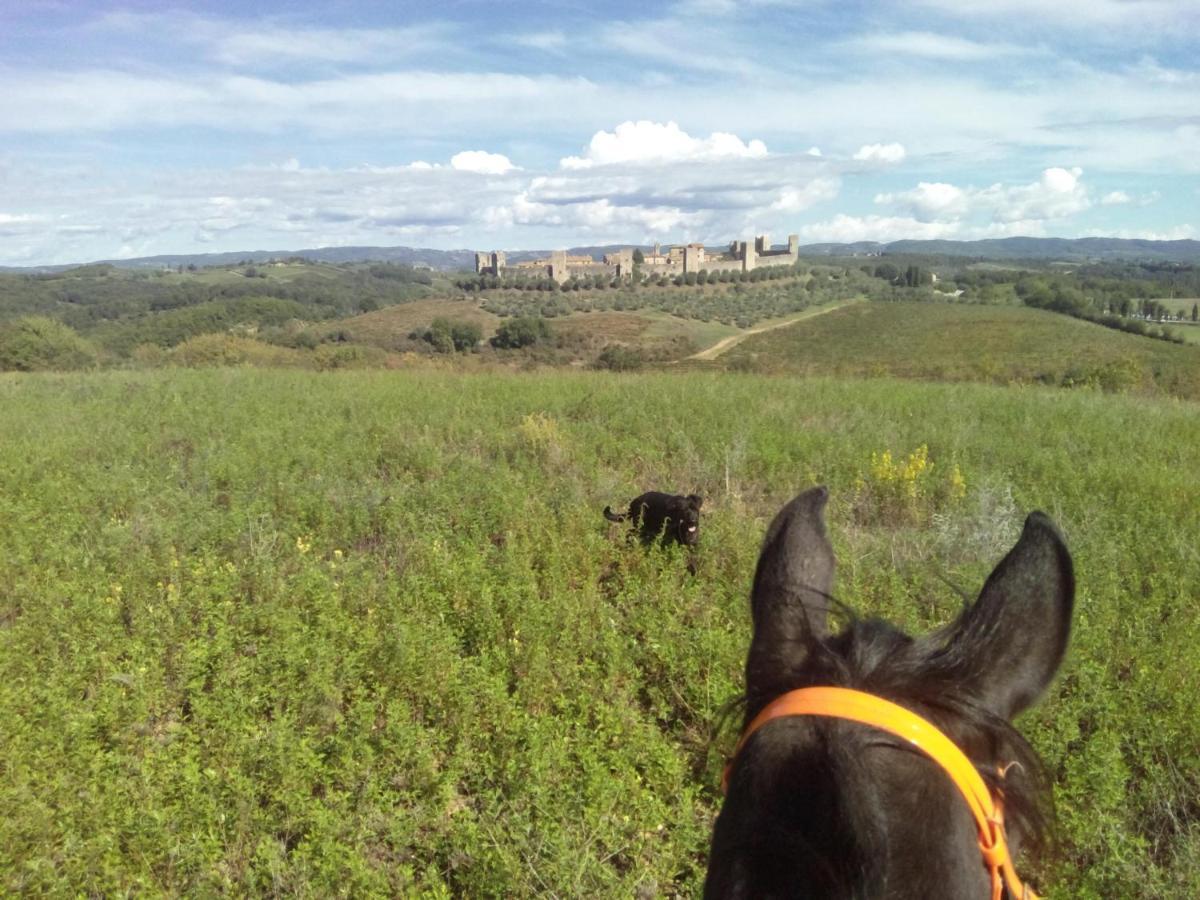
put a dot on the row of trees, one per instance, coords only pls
(603, 282)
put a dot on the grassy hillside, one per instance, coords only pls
(120, 309)
(284, 633)
(999, 344)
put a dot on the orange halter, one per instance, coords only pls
(842, 703)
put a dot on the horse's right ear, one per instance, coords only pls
(1008, 646)
(790, 599)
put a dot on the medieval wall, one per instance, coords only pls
(740, 256)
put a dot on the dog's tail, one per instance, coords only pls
(614, 517)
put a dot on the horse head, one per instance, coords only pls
(822, 805)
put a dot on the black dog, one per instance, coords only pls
(673, 518)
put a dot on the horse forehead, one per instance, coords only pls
(870, 645)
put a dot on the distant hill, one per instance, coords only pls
(1014, 248)
(441, 260)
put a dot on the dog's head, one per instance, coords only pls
(685, 518)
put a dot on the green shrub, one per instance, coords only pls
(619, 358)
(209, 350)
(36, 343)
(524, 331)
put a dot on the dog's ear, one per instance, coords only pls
(696, 500)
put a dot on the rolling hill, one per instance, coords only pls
(950, 342)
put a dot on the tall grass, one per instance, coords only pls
(367, 632)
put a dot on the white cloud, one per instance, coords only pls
(412, 102)
(594, 216)
(1057, 194)
(550, 41)
(692, 42)
(481, 162)
(1149, 69)
(931, 46)
(289, 206)
(885, 153)
(1077, 14)
(1115, 198)
(269, 46)
(645, 141)
(797, 199)
(849, 229)
(1175, 233)
(930, 202)
(264, 43)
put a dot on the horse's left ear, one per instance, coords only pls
(789, 603)
(1010, 643)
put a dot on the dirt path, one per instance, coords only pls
(734, 339)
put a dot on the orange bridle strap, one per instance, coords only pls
(842, 703)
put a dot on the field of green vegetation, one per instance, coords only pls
(367, 633)
(953, 342)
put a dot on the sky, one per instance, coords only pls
(134, 129)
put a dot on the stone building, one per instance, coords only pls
(739, 256)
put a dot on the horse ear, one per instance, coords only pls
(1011, 642)
(790, 599)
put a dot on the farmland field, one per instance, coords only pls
(998, 344)
(367, 633)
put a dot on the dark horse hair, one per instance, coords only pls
(825, 808)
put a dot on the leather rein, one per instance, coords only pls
(856, 706)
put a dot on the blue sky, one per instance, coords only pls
(142, 128)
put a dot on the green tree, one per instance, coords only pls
(465, 335)
(1196, 312)
(638, 256)
(439, 335)
(524, 331)
(619, 359)
(887, 272)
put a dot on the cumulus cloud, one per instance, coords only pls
(884, 153)
(1115, 198)
(481, 162)
(796, 199)
(1058, 193)
(645, 141)
(930, 202)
